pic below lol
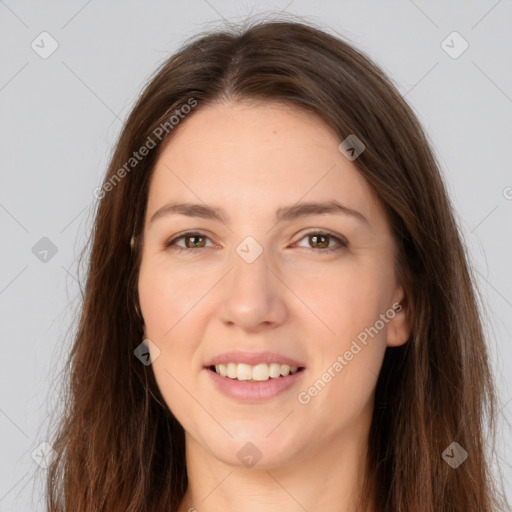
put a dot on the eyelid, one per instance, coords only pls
(186, 234)
(341, 241)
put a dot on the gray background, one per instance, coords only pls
(61, 116)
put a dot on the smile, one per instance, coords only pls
(252, 390)
(258, 373)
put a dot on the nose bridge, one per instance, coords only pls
(251, 268)
(252, 294)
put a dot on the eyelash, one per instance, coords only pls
(171, 244)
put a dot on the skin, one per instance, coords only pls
(250, 159)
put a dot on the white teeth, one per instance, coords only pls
(259, 372)
(221, 369)
(244, 372)
(274, 370)
(232, 370)
(285, 370)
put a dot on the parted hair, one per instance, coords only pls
(119, 447)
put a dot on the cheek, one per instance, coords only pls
(167, 305)
(166, 296)
(348, 348)
(342, 300)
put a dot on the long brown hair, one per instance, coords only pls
(118, 445)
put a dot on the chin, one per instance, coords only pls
(253, 448)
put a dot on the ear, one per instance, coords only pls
(400, 325)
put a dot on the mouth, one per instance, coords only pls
(245, 383)
(254, 373)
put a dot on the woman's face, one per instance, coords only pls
(260, 277)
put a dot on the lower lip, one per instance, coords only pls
(254, 391)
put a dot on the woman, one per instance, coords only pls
(278, 313)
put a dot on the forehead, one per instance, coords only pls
(252, 155)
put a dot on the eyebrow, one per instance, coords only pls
(285, 213)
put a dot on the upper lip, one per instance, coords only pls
(253, 358)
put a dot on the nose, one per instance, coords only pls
(253, 297)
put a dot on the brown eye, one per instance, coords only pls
(321, 240)
(192, 240)
(317, 240)
(197, 241)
